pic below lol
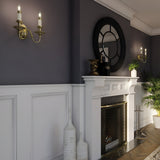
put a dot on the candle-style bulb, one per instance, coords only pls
(40, 15)
(141, 50)
(19, 14)
(19, 8)
(145, 51)
(40, 19)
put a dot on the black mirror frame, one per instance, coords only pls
(109, 21)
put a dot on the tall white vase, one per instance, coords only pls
(69, 141)
(133, 73)
(82, 149)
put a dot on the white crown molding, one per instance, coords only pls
(120, 8)
(138, 24)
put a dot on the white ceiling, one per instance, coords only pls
(143, 14)
(148, 11)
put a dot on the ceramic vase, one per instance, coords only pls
(69, 141)
(82, 149)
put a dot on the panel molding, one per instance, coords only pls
(13, 99)
(22, 100)
(66, 94)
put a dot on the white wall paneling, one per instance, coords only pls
(8, 125)
(78, 108)
(33, 117)
(32, 120)
(146, 113)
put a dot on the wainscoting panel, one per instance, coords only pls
(8, 127)
(145, 115)
(32, 121)
(48, 122)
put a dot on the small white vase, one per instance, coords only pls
(133, 73)
(156, 120)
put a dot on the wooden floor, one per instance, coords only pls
(151, 142)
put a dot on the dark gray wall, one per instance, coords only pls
(90, 13)
(139, 39)
(155, 57)
(23, 62)
(62, 56)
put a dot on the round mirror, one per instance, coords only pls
(109, 42)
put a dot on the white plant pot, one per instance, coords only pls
(156, 120)
(133, 73)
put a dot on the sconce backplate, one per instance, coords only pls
(23, 31)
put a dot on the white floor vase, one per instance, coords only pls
(82, 150)
(69, 141)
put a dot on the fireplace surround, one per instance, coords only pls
(87, 103)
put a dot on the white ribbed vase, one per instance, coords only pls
(82, 149)
(133, 73)
(69, 141)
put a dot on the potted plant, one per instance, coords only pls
(133, 68)
(153, 99)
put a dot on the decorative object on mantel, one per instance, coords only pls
(23, 30)
(153, 99)
(104, 67)
(109, 45)
(142, 56)
(133, 68)
(93, 67)
(70, 140)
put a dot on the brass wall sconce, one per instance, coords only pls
(23, 30)
(142, 56)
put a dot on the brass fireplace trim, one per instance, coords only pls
(113, 105)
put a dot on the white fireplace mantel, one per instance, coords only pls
(103, 86)
(93, 90)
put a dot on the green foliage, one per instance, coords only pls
(133, 65)
(152, 87)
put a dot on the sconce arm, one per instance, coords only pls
(35, 41)
(23, 32)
